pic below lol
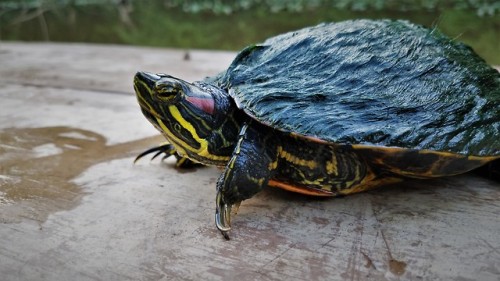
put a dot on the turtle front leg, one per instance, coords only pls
(168, 150)
(246, 173)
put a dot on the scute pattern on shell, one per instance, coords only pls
(380, 83)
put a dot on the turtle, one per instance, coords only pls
(331, 110)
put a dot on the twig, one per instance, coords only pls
(43, 26)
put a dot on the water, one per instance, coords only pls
(151, 23)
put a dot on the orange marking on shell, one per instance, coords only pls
(301, 190)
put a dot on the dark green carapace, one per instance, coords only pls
(383, 83)
(332, 109)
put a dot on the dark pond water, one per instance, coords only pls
(153, 23)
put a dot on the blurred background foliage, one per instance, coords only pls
(231, 25)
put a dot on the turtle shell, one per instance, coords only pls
(375, 83)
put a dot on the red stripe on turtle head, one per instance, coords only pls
(205, 104)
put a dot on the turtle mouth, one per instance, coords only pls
(149, 114)
(147, 110)
(146, 78)
(152, 117)
(143, 85)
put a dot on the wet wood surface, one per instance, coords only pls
(74, 207)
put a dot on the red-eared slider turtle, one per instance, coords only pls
(330, 110)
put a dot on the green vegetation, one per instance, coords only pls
(482, 7)
(231, 25)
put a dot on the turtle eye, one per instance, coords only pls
(166, 92)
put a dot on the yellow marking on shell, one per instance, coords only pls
(273, 165)
(310, 138)
(396, 150)
(317, 182)
(331, 166)
(357, 176)
(311, 164)
(369, 182)
(432, 169)
(203, 150)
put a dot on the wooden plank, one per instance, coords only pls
(73, 207)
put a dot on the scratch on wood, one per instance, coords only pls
(396, 267)
(369, 262)
(386, 244)
(275, 258)
(490, 246)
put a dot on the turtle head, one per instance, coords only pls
(187, 114)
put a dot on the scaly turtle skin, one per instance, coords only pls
(332, 109)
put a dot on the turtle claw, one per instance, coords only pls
(166, 148)
(158, 153)
(222, 216)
